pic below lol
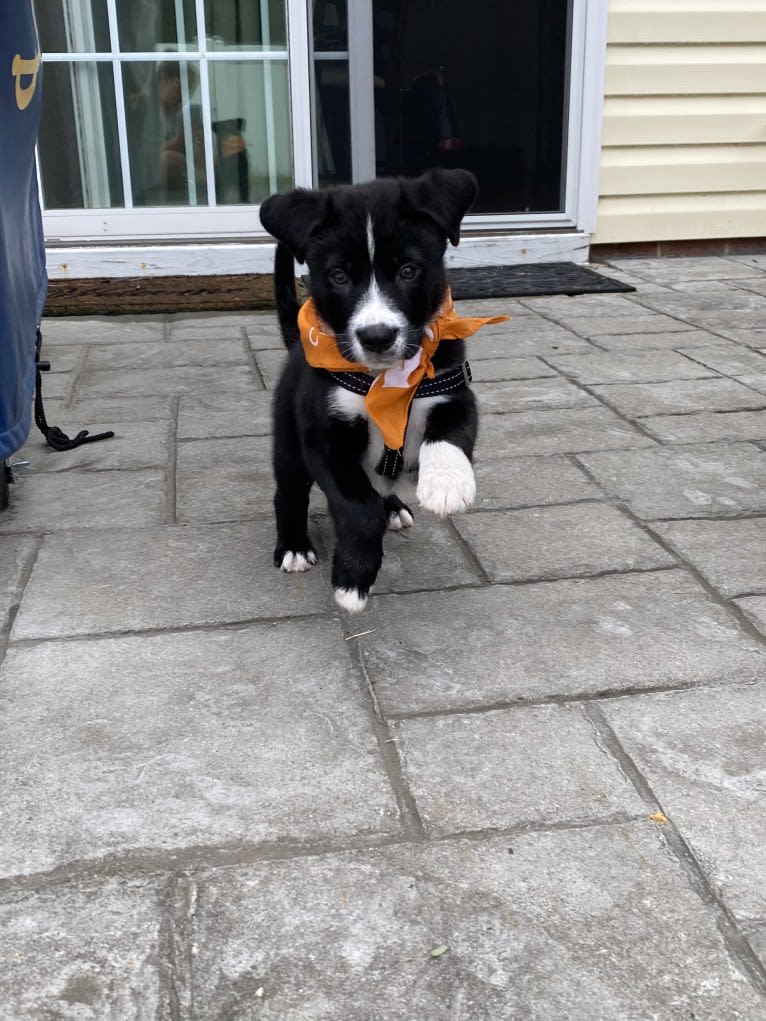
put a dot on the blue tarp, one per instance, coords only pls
(23, 280)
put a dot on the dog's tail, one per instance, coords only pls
(284, 291)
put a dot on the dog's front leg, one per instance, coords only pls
(446, 482)
(360, 521)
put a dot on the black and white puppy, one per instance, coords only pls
(375, 254)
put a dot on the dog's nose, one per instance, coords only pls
(377, 338)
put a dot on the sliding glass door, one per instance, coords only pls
(174, 119)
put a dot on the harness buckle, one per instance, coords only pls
(467, 374)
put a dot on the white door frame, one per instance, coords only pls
(230, 240)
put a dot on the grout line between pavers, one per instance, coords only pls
(743, 620)
(412, 823)
(174, 629)
(79, 368)
(574, 699)
(172, 933)
(735, 941)
(190, 862)
(171, 467)
(6, 627)
(470, 556)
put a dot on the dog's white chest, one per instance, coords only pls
(351, 406)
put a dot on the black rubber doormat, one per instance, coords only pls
(535, 279)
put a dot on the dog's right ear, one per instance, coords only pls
(292, 217)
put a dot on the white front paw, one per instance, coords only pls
(446, 482)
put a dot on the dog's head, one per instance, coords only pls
(375, 254)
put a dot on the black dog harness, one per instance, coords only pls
(392, 461)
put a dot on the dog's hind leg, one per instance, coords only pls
(294, 551)
(398, 514)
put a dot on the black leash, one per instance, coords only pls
(53, 435)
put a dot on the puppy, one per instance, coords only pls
(376, 379)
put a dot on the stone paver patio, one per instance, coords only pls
(527, 783)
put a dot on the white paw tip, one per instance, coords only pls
(446, 482)
(296, 562)
(350, 599)
(397, 520)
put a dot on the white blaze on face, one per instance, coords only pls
(370, 241)
(374, 309)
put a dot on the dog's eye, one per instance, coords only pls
(339, 277)
(408, 271)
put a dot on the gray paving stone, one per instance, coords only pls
(635, 342)
(641, 321)
(134, 445)
(103, 330)
(562, 431)
(224, 479)
(205, 416)
(482, 646)
(666, 270)
(530, 481)
(752, 337)
(707, 426)
(503, 397)
(618, 367)
(558, 542)
(756, 380)
(757, 939)
(426, 556)
(728, 323)
(489, 369)
(263, 333)
(84, 952)
(161, 578)
(226, 738)
(492, 307)
(63, 358)
(731, 360)
(210, 325)
(755, 284)
(565, 307)
(638, 399)
(526, 337)
(16, 553)
(58, 385)
(80, 413)
(160, 382)
(730, 554)
(270, 365)
(755, 608)
(702, 754)
(510, 767)
(570, 925)
(54, 501)
(168, 354)
(691, 297)
(692, 481)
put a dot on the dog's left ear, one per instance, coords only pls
(293, 216)
(444, 196)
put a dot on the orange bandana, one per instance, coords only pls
(391, 394)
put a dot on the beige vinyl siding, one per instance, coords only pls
(684, 131)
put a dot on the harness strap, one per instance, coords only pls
(392, 461)
(445, 382)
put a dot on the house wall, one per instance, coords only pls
(684, 131)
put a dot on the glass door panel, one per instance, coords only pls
(164, 103)
(332, 110)
(78, 144)
(482, 88)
